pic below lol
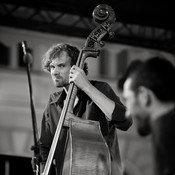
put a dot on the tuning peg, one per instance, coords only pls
(111, 35)
(101, 43)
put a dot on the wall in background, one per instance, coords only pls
(16, 133)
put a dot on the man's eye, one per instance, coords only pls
(61, 66)
(52, 67)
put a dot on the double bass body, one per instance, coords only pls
(87, 152)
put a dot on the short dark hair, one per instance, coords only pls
(55, 50)
(157, 74)
(131, 68)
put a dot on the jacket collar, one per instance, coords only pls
(58, 97)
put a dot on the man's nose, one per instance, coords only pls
(127, 113)
(56, 71)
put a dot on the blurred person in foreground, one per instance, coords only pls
(95, 101)
(148, 91)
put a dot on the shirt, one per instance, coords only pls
(85, 109)
(163, 135)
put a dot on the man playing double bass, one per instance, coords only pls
(95, 100)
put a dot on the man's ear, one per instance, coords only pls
(144, 96)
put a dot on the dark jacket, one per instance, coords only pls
(163, 135)
(87, 110)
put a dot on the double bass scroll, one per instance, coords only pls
(104, 15)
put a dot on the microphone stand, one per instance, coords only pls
(27, 58)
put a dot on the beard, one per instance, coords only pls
(143, 125)
(143, 132)
(59, 83)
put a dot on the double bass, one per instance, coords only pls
(86, 151)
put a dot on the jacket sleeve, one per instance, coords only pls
(118, 116)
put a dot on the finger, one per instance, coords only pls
(71, 78)
(73, 67)
(72, 70)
